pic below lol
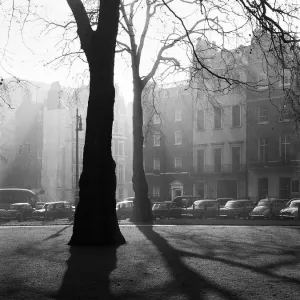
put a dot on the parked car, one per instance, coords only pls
(18, 211)
(236, 209)
(223, 201)
(71, 217)
(202, 209)
(184, 201)
(166, 209)
(268, 208)
(124, 209)
(290, 212)
(53, 210)
(39, 205)
(2, 213)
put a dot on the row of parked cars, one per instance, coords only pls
(42, 211)
(190, 207)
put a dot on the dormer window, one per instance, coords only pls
(262, 81)
(286, 78)
(156, 119)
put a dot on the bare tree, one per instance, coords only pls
(249, 33)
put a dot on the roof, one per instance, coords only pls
(240, 200)
(25, 203)
(296, 201)
(204, 200)
(17, 189)
(53, 202)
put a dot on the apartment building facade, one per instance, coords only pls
(219, 138)
(27, 165)
(168, 142)
(219, 147)
(122, 147)
(273, 149)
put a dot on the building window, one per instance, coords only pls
(121, 173)
(200, 160)
(200, 120)
(156, 119)
(262, 81)
(178, 163)
(156, 191)
(217, 159)
(284, 147)
(178, 137)
(156, 164)
(286, 78)
(116, 126)
(178, 114)
(120, 148)
(284, 188)
(295, 186)
(200, 190)
(121, 193)
(263, 150)
(236, 116)
(217, 118)
(236, 158)
(262, 188)
(263, 114)
(156, 139)
(285, 113)
(120, 128)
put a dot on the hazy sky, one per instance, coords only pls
(26, 57)
(26, 54)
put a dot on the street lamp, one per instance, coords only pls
(77, 129)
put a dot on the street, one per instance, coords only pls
(158, 262)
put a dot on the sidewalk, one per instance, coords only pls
(173, 262)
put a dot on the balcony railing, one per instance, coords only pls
(279, 163)
(220, 168)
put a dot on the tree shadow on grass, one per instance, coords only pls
(56, 234)
(87, 274)
(186, 281)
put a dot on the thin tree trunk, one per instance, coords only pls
(142, 205)
(95, 221)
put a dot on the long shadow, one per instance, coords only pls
(234, 249)
(56, 234)
(189, 283)
(87, 274)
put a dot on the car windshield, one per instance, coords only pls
(15, 206)
(295, 204)
(160, 206)
(263, 203)
(232, 204)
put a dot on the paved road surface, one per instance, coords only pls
(160, 262)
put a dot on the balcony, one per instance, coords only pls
(273, 164)
(220, 168)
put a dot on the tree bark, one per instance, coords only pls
(142, 211)
(95, 220)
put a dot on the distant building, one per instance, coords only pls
(57, 147)
(219, 143)
(27, 166)
(273, 145)
(122, 147)
(168, 149)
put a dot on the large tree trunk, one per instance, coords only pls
(95, 221)
(142, 211)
